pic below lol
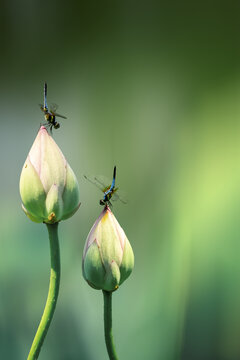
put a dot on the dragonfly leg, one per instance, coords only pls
(44, 124)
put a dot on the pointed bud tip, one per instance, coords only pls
(43, 130)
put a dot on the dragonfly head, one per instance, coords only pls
(56, 125)
(102, 202)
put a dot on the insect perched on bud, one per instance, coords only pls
(50, 114)
(110, 191)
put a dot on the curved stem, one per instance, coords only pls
(107, 298)
(52, 293)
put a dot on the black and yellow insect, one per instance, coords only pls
(50, 114)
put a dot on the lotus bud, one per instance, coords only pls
(48, 186)
(108, 258)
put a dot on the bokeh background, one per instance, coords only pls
(154, 88)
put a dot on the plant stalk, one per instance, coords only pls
(52, 293)
(107, 298)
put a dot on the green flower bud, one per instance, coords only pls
(108, 258)
(48, 186)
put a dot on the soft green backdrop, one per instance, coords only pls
(153, 88)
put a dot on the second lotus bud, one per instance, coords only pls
(108, 258)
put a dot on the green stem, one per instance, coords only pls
(52, 293)
(107, 298)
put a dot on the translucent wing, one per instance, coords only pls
(58, 115)
(53, 109)
(119, 195)
(94, 181)
(103, 181)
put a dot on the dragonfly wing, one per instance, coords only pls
(103, 181)
(92, 180)
(58, 115)
(119, 195)
(53, 107)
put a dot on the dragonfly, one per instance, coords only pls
(50, 114)
(109, 191)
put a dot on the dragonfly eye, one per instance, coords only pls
(101, 202)
(57, 125)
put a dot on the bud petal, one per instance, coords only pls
(108, 258)
(127, 262)
(30, 216)
(112, 279)
(48, 186)
(70, 194)
(93, 268)
(54, 203)
(32, 191)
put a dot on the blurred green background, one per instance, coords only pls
(154, 88)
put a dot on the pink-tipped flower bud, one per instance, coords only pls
(108, 258)
(48, 186)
